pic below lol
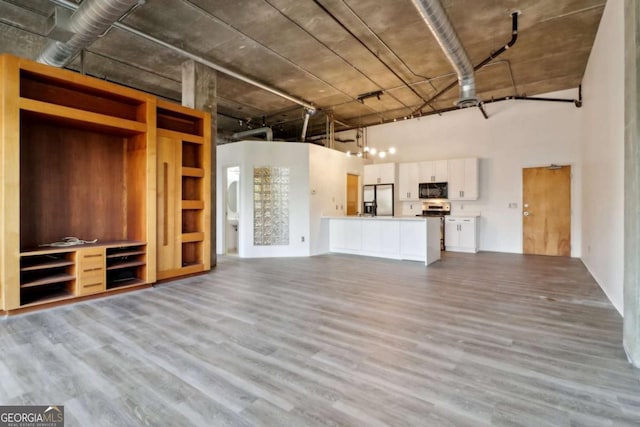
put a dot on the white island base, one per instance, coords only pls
(408, 238)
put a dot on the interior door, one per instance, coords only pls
(546, 210)
(352, 194)
(169, 225)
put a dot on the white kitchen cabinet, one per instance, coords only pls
(434, 171)
(413, 241)
(379, 173)
(408, 180)
(461, 234)
(463, 179)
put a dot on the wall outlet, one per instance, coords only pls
(461, 207)
(302, 239)
(513, 205)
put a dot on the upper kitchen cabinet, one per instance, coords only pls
(408, 181)
(434, 171)
(463, 179)
(380, 173)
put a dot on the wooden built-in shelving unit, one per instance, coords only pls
(184, 165)
(78, 158)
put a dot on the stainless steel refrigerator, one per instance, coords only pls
(378, 200)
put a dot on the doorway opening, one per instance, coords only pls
(352, 194)
(232, 211)
(546, 210)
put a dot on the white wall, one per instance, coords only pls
(518, 134)
(603, 156)
(317, 188)
(328, 171)
(250, 154)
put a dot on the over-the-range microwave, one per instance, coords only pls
(434, 190)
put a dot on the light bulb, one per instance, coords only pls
(359, 154)
(392, 150)
(366, 149)
(382, 154)
(373, 151)
(348, 153)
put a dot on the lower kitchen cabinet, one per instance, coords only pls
(461, 234)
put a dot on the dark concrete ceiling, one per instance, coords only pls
(327, 53)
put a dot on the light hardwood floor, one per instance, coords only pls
(484, 339)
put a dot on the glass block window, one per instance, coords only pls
(270, 206)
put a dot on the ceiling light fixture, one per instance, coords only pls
(375, 94)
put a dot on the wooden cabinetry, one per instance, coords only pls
(461, 234)
(408, 181)
(91, 276)
(433, 171)
(184, 168)
(78, 158)
(380, 173)
(463, 179)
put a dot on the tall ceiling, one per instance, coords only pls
(327, 53)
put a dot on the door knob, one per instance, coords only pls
(526, 213)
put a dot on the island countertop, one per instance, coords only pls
(415, 238)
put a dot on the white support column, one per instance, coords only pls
(632, 184)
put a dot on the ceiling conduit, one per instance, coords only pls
(434, 15)
(88, 22)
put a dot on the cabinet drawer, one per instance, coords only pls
(91, 287)
(91, 282)
(90, 260)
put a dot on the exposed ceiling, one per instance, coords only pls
(327, 53)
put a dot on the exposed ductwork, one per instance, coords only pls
(88, 22)
(251, 132)
(436, 18)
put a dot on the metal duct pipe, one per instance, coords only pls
(307, 114)
(251, 132)
(88, 22)
(436, 18)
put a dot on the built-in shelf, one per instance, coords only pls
(48, 280)
(125, 254)
(193, 172)
(128, 264)
(47, 265)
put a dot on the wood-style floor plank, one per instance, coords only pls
(335, 340)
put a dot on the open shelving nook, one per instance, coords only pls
(77, 160)
(184, 170)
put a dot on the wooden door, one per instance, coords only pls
(352, 194)
(546, 209)
(169, 227)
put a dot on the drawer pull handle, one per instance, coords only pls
(92, 269)
(93, 256)
(92, 285)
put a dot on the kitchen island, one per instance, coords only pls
(408, 238)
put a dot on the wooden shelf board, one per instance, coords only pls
(127, 253)
(192, 204)
(47, 264)
(80, 116)
(109, 244)
(195, 139)
(192, 237)
(84, 83)
(125, 265)
(56, 278)
(125, 283)
(193, 172)
(60, 295)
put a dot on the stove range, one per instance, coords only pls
(436, 208)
